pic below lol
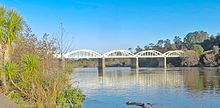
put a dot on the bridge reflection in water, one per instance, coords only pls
(156, 77)
(193, 78)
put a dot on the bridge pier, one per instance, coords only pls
(101, 65)
(165, 62)
(134, 63)
(162, 62)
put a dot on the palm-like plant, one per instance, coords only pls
(2, 22)
(2, 34)
(10, 26)
(13, 28)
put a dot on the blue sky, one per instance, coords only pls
(104, 25)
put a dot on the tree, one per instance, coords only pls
(177, 41)
(167, 44)
(13, 28)
(173, 47)
(151, 45)
(63, 46)
(198, 48)
(138, 49)
(147, 47)
(10, 27)
(130, 49)
(217, 59)
(160, 43)
(191, 58)
(196, 37)
(2, 24)
(217, 39)
(215, 49)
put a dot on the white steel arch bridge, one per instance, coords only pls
(88, 54)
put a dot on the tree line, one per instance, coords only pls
(201, 49)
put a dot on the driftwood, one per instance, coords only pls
(136, 103)
(139, 104)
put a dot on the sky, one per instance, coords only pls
(104, 25)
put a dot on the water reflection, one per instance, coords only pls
(175, 87)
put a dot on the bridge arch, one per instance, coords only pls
(84, 53)
(118, 54)
(175, 53)
(149, 53)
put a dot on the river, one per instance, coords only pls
(173, 88)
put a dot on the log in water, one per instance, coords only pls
(136, 103)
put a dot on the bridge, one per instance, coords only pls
(90, 54)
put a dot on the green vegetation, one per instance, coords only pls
(71, 98)
(30, 74)
(201, 49)
(198, 49)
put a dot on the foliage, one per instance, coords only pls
(30, 63)
(33, 76)
(160, 43)
(167, 44)
(198, 48)
(209, 59)
(2, 22)
(196, 37)
(130, 49)
(217, 58)
(10, 69)
(10, 27)
(71, 98)
(191, 58)
(178, 42)
(215, 49)
(39, 80)
(199, 42)
(138, 49)
(13, 26)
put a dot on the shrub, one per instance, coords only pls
(71, 98)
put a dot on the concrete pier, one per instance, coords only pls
(165, 62)
(101, 63)
(101, 66)
(134, 63)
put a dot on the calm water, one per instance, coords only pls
(174, 88)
